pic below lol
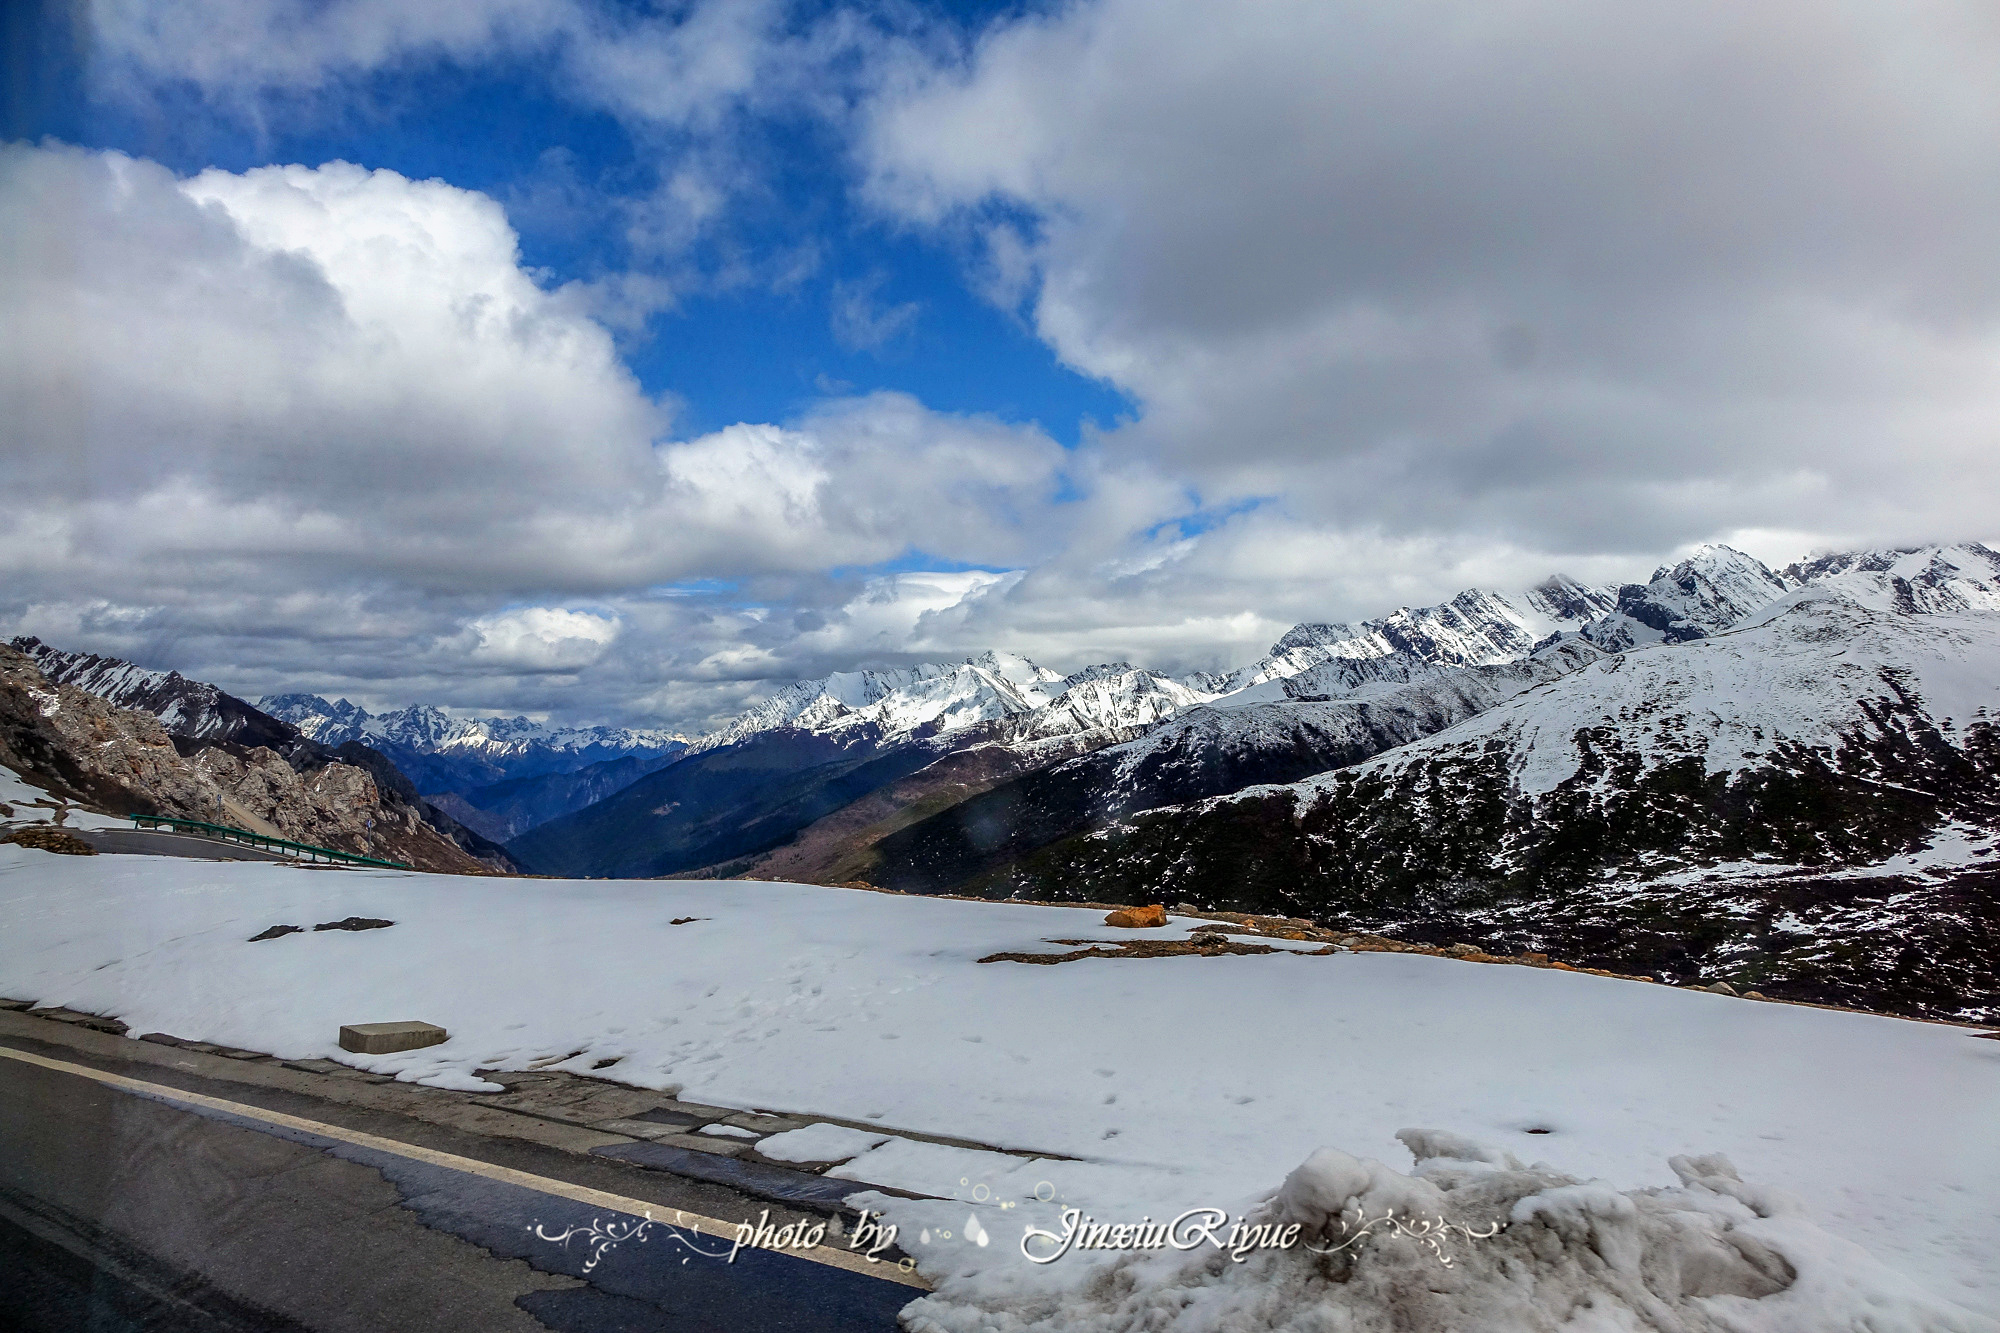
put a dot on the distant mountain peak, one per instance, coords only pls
(1910, 579)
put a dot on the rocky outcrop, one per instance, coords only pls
(122, 761)
(49, 838)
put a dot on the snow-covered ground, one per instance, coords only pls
(32, 805)
(1174, 1083)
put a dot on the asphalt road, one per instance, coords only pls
(150, 842)
(124, 1210)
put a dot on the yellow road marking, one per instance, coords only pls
(829, 1255)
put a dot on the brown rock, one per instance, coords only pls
(48, 838)
(1138, 918)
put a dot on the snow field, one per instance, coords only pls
(1172, 1083)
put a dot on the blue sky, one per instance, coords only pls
(749, 349)
(646, 357)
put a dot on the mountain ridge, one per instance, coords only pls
(1767, 803)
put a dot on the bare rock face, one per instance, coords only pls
(1138, 918)
(89, 750)
(335, 806)
(123, 761)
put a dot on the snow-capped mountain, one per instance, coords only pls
(866, 730)
(1802, 802)
(1257, 735)
(1704, 594)
(1029, 702)
(932, 698)
(1805, 676)
(425, 727)
(819, 745)
(1478, 627)
(443, 753)
(1914, 579)
(193, 709)
(1710, 591)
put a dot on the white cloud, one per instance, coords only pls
(542, 638)
(1588, 277)
(326, 408)
(351, 368)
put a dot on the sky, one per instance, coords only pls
(622, 362)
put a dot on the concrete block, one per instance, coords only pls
(387, 1038)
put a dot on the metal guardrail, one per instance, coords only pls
(175, 824)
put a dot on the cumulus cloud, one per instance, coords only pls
(1584, 277)
(542, 638)
(329, 403)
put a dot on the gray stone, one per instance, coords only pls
(705, 1143)
(1723, 988)
(388, 1038)
(636, 1129)
(764, 1124)
(682, 1115)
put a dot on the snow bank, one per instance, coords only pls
(1472, 1241)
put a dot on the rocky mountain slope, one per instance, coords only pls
(1807, 804)
(200, 717)
(189, 708)
(83, 748)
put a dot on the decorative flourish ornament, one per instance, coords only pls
(1430, 1232)
(604, 1237)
